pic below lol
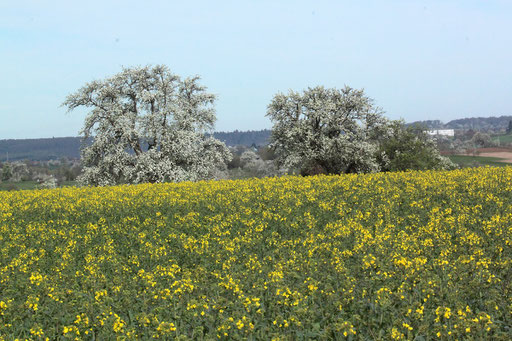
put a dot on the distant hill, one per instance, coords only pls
(484, 124)
(244, 138)
(69, 147)
(40, 149)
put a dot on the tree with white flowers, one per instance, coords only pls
(325, 130)
(147, 125)
(335, 131)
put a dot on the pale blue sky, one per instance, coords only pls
(442, 59)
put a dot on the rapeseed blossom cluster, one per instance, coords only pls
(390, 256)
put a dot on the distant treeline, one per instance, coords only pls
(244, 138)
(40, 149)
(69, 147)
(483, 124)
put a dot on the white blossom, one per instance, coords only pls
(46, 181)
(325, 130)
(147, 125)
(253, 164)
(19, 171)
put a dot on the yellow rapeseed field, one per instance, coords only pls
(423, 255)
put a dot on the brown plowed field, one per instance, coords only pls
(506, 156)
(492, 150)
(499, 152)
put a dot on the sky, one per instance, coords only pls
(419, 60)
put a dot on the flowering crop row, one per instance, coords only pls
(379, 256)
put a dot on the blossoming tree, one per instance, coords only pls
(334, 131)
(325, 130)
(147, 125)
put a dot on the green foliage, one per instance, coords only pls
(6, 172)
(482, 140)
(477, 161)
(266, 153)
(409, 148)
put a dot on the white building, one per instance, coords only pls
(445, 132)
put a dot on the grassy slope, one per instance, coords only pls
(28, 185)
(503, 139)
(477, 161)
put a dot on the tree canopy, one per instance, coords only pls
(409, 148)
(334, 131)
(147, 125)
(324, 130)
